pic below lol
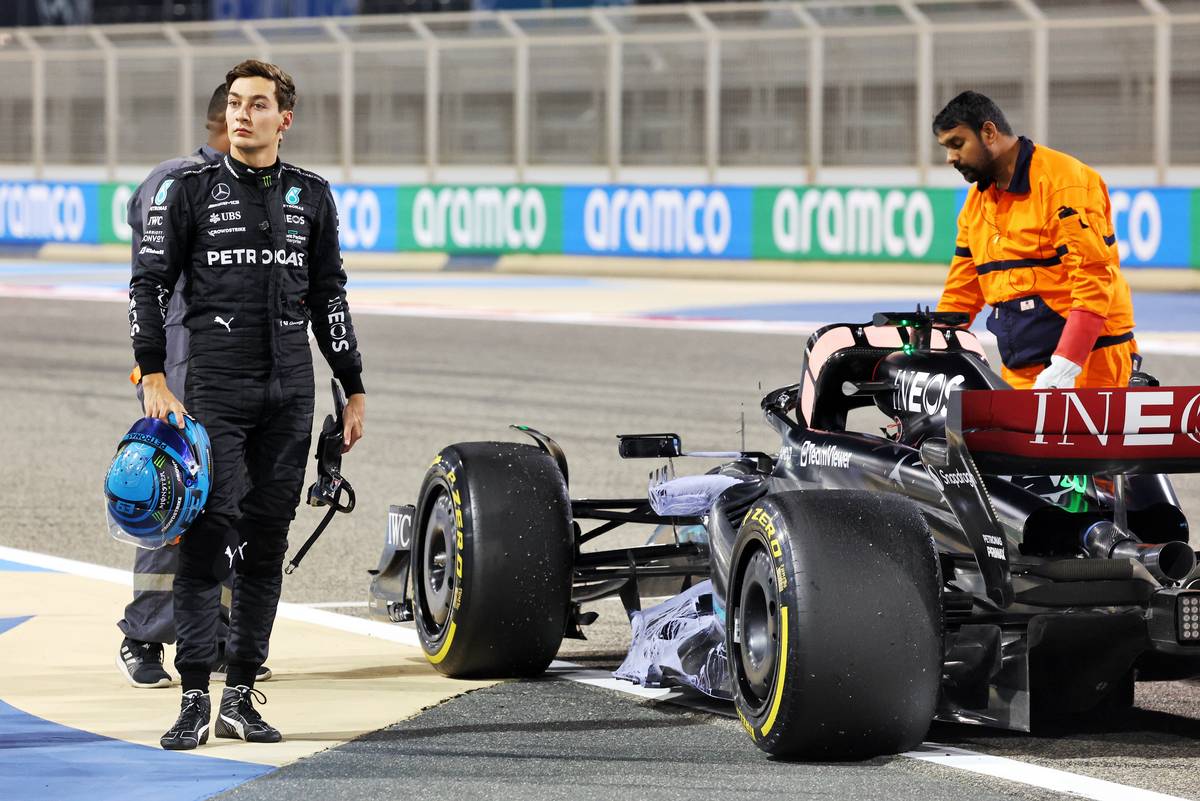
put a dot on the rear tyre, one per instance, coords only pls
(834, 625)
(492, 560)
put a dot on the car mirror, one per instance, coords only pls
(649, 446)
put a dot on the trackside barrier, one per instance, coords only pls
(1156, 227)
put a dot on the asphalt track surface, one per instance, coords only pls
(431, 381)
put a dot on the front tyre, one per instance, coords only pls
(492, 560)
(834, 629)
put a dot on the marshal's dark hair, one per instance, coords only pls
(971, 109)
(216, 105)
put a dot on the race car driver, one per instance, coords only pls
(149, 619)
(258, 242)
(1035, 242)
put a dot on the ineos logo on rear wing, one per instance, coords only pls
(1119, 427)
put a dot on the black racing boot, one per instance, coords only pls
(238, 719)
(191, 730)
(141, 663)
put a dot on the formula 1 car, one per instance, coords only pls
(995, 557)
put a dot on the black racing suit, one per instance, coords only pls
(260, 249)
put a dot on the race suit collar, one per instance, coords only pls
(260, 176)
(1019, 185)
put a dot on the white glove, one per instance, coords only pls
(1061, 374)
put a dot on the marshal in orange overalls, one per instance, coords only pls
(1043, 255)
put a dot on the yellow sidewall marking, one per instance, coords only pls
(445, 649)
(782, 673)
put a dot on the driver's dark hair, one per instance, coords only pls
(973, 110)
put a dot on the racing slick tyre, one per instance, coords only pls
(834, 624)
(492, 560)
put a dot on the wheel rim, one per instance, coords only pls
(437, 555)
(758, 622)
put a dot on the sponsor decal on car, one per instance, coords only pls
(813, 455)
(924, 392)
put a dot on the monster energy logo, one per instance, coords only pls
(159, 461)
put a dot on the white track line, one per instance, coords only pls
(1059, 781)
(405, 635)
(1014, 770)
(1147, 344)
(338, 605)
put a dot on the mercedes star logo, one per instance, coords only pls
(220, 192)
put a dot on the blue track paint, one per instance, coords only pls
(17, 567)
(7, 623)
(1154, 311)
(44, 761)
(833, 311)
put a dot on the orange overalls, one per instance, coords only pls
(1038, 253)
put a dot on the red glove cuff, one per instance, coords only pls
(1079, 335)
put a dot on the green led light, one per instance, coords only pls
(908, 350)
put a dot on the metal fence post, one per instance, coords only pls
(816, 89)
(37, 102)
(612, 95)
(346, 100)
(432, 90)
(1162, 88)
(187, 87)
(712, 92)
(1041, 69)
(520, 95)
(111, 101)
(924, 86)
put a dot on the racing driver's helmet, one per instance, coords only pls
(158, 482)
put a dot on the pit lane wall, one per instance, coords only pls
(1156, 227)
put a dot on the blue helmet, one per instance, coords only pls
(158, 482)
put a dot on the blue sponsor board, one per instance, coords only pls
(45, 211)
(1154, 226)
(367, 216)
(664, 221)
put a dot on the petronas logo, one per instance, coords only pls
(293, 195)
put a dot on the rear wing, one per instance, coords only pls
(1053, 432)
(1080, 431)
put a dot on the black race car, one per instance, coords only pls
(992, 556)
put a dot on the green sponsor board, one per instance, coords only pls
(504, 218)
(114, 199)
(825, 223)
(1195, 228)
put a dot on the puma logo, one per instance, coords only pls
(221, 320)
(229, 552)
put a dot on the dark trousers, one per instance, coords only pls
(260, 428)
(150, 616)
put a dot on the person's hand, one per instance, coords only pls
(1061, 374)
(159, 401)
(352, 416)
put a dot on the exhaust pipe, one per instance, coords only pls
(1170, 561)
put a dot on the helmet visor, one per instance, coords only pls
(164, 436)
(142, 533)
